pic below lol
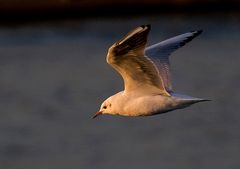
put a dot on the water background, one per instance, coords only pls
(53, 78)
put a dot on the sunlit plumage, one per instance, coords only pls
(146, 74)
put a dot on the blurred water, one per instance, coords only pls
(53, 77)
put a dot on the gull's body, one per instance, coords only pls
(132, 104)
(145, 71)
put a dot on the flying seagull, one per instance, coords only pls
(145, 71)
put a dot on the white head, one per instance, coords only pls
(106, 107)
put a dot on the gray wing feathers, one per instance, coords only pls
(159, 54)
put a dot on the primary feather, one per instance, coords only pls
(159, 53)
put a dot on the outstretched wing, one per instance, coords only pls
(138, 72)
(159, 54)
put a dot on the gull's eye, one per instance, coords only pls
(104, 107)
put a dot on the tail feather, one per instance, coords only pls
(188, 99)
(196, 100)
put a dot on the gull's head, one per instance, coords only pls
(106, 108)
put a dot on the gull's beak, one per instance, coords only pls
(98, 113)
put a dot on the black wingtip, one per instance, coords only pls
(147, 26)
(133, 40)
(197, 32)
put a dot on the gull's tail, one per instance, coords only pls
(188, 100)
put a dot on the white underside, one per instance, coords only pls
(128, 104)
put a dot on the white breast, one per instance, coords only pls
(147, 105)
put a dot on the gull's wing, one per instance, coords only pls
(159, 54)
(138, 71)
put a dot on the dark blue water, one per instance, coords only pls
(53, 78)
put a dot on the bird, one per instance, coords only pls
(146, 74)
